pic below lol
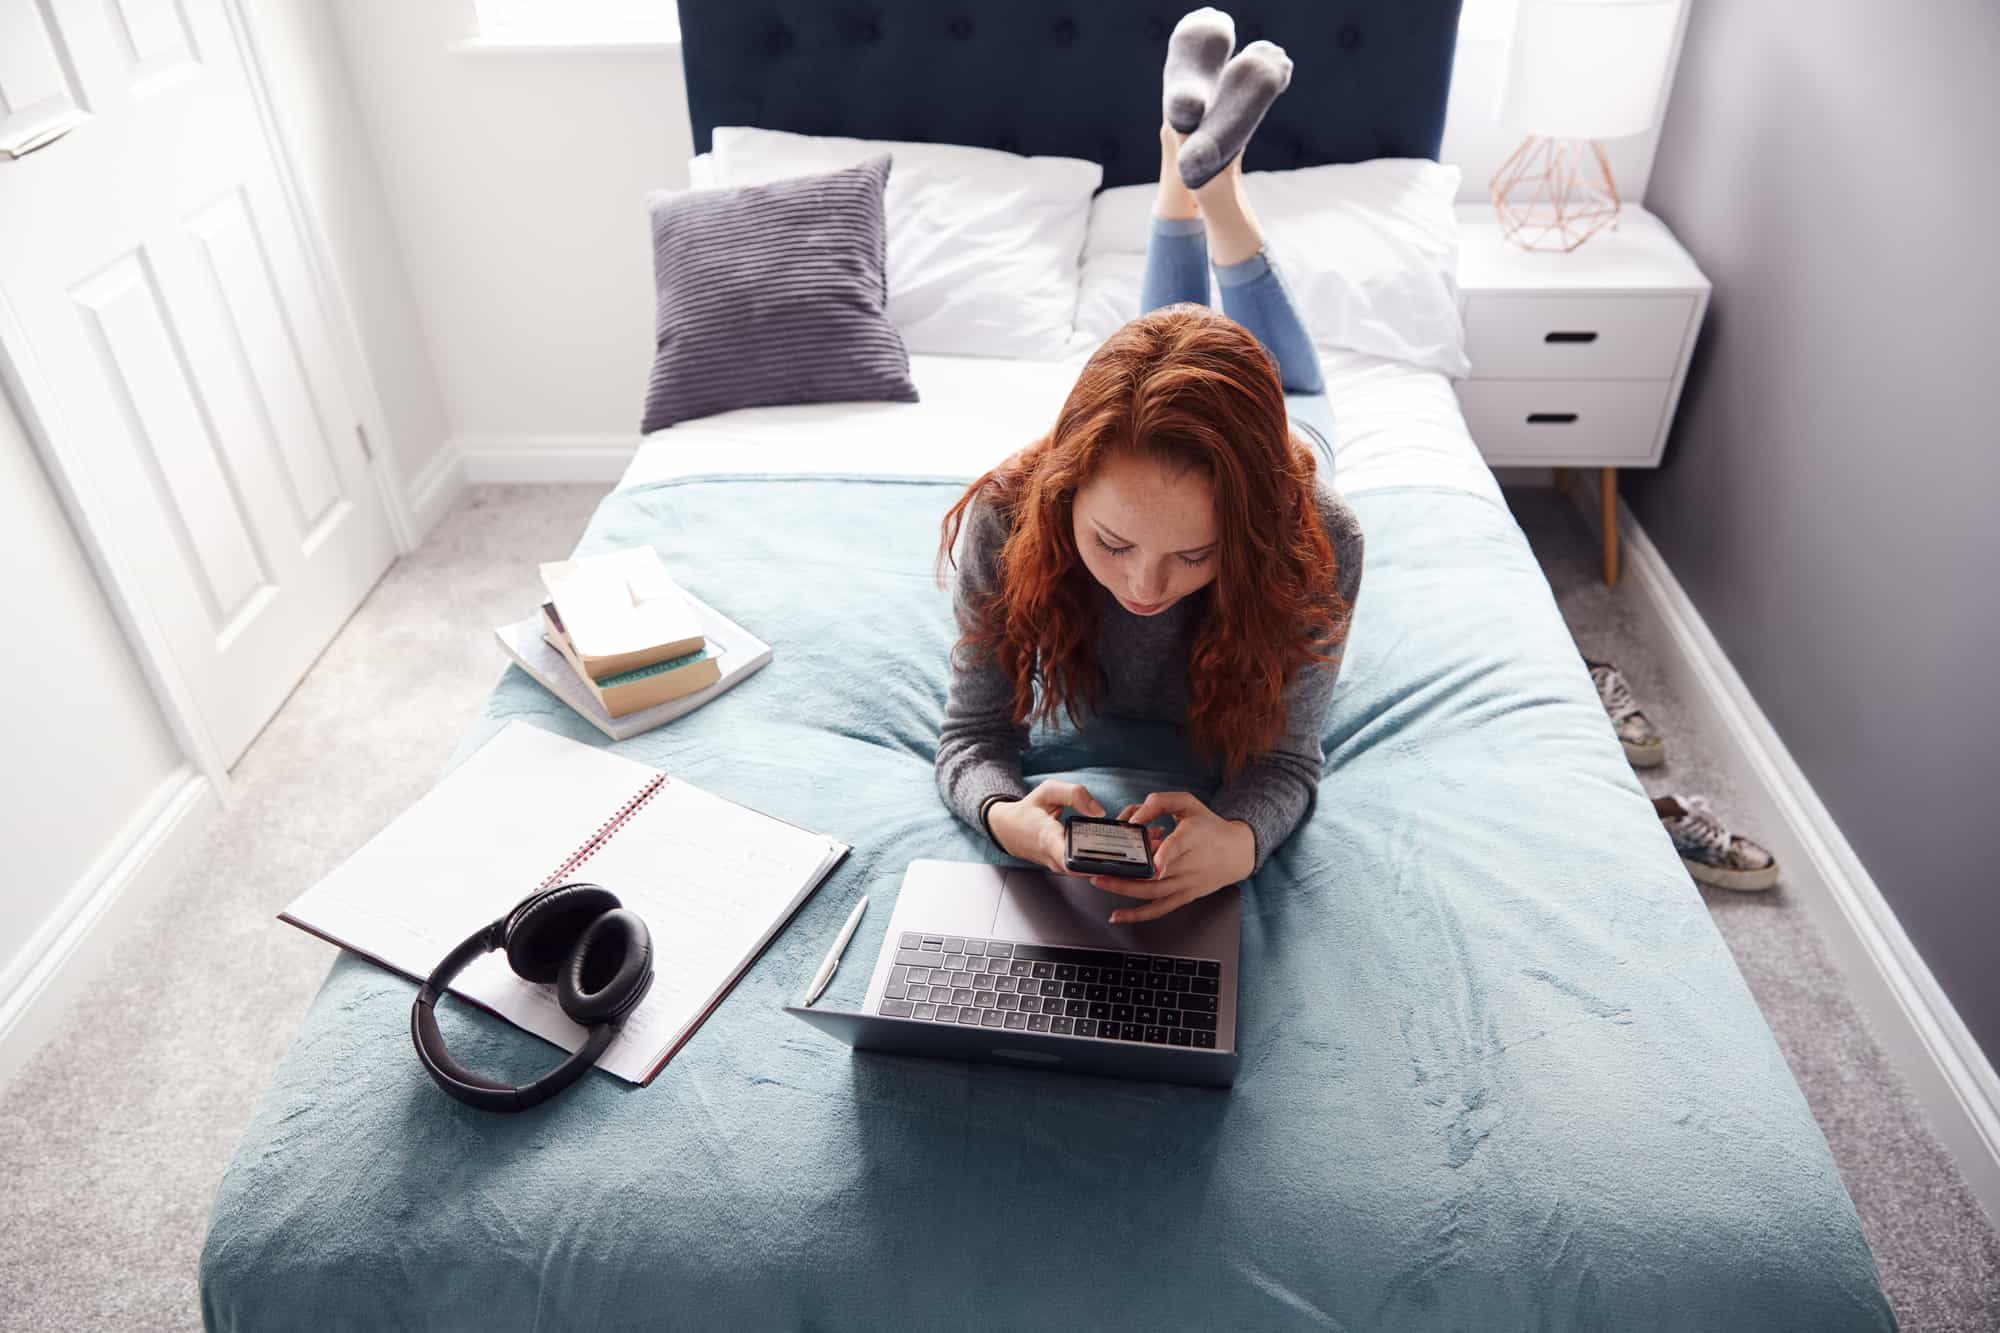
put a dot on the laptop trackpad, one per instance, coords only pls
(1062, 909)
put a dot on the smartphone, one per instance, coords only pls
(1107, 847)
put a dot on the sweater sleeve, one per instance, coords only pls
(979, 744)
(1277, 787)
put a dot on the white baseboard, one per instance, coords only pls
(545, 457)
(465, 460)
(435, 489)
(56, 963)
(1915, 1020)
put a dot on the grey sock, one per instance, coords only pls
(1196, 52)
(1248, 86)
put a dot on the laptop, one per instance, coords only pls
(1022, 967)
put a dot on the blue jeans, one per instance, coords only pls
(1255, 296)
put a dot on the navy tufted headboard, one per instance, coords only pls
(1070, 78)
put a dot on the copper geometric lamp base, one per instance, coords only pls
(1554, 194)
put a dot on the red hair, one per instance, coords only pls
(1190, 387)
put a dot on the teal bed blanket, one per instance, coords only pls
(1498, 1068)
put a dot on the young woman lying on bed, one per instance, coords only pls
(1170, 551)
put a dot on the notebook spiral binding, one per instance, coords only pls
(604, 832)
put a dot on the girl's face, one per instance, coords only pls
(1147, 531)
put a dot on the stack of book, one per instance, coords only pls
(625, 646)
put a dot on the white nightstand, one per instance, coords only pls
(1578, 358)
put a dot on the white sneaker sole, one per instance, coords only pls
(1743, 881)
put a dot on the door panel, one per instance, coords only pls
(287, 424)
(143, 372)
(36, 85)
(166, 329)
(153, 36)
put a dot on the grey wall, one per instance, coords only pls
(1831, 493)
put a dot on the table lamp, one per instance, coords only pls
(1577, 71)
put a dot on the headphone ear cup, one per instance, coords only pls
(610, 970)
(544, 930)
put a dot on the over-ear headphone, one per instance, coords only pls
(576, 935)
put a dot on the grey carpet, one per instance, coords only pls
(1938, 1255)
(113, 1137)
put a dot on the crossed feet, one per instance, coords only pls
(1212, 101)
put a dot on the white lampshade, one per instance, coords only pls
(1587, 69)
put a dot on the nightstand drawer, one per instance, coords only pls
(1606, 423)
(1530, 337)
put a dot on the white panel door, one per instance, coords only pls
(162, 324)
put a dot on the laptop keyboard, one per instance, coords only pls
(1106, 995)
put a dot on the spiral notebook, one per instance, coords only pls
(713, 881)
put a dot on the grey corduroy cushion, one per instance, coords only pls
(773, 294)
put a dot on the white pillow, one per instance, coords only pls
(984, 246)
(1369, 250)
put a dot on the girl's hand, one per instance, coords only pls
(1202, 854)
(1031, 828)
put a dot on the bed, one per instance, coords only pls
(1499, 1069)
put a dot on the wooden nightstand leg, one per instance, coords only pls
(1607, 491)
(1561, 479)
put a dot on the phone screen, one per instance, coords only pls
(1108, 842)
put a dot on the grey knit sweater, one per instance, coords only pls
(1144, 661)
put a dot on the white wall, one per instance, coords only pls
(516, 181)
(87, 749)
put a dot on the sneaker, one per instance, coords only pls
(1644, 746)
(1711, 852)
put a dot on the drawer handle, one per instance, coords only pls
(1551, 418)
(1577, 337)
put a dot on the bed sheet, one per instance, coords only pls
(1498, 1068)
(1395, 425)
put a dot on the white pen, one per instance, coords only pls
(826, 969)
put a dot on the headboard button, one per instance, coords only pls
(868, 31)
(1156, 30)
(1065, 31)
(1349, 38)
(1108, 151)
(780, 40)
(961, 28)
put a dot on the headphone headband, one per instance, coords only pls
(483, 1093)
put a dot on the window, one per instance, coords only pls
(577, 22)
(1486, 20)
